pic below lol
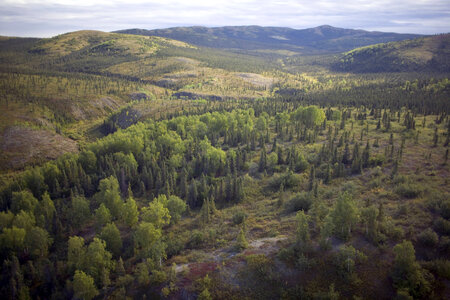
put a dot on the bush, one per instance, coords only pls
(301, 201)
(239, 218)
(442, 226)
(197, 239)
(288, 179)
(440, 267)
(409, 190)
(428, 238)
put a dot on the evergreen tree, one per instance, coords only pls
(241, 241)
(262, 160)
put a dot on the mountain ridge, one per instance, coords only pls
(321, 39)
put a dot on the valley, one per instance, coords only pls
(229, 162)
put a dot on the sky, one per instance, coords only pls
(46, 18)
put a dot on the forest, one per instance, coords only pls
(200, 173)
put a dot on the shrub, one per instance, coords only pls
(197, 239)
(440, 267)
(428, 238)
(288, 179)
(301, 201)
(409, 190)
(239, 218)
(442, 226)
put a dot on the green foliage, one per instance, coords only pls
(409, 190)
(23, 200)
(102, 215)
(241, 241)
(347, 258)
(428, 238)
(75, 252)
(145, 236)
(38, 241)
(300, 201)
(80, 211)
(130, 212)
(239, 217)
(108, 194)
(176, 208)
(309, 116)
(157, 212)
(345, 215)
(12, 238)
(111, 235)
(407, 273)
(83, 286)
(303, 236)
(44, 211)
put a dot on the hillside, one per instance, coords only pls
(143, 167)
(69, 84)
(322, 39)
(422, 54)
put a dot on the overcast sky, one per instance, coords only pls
(45, 18)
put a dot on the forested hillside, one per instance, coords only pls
(423, 54)
(321, 39)
(145, 167)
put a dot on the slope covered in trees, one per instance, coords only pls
(203, 173)
(322, 39)
(422, 54)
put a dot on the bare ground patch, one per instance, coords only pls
(256, 79)
(21, 146)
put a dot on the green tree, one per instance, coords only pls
(83, 286)
(130, 211)
(345, 215)
(12, 238)
(142, 273)
(302, 219)
(369, 217)
(37, 242)
(347, 258)
(79, 212)
(407, 273)
(262, 160)
(176, 208)
(97, 262)
(75, 252)
(23, 200)
(111, 235)
(156, 212)
(205, 295)
(102, 215)
(109, 194)
(241, 241)
(88, 161)
(24, 220)
(44, 211)
(145, 236)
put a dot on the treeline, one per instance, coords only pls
(422, 96)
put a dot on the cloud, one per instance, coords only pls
(51, 17)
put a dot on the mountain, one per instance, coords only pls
(421, 54)
(322, 39)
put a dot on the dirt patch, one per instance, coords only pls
(256, 79)
(266, 246)
(21, 146)
(95, 108)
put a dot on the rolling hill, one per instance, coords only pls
(422, 54)
(322, 39)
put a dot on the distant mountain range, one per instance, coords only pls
(322, 39)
